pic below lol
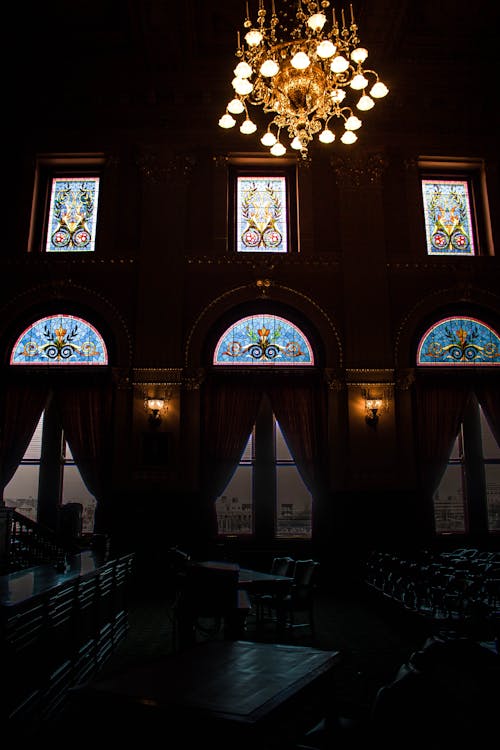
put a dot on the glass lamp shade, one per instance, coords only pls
(268, 139)
(235, 106)
(226, 121)
(155, 404)
(339, 64)
(296, 144)
(300, 61)
(359, 54)
(278, 149)
(353, 123)
(269, 68)
(316, 21)
(349, 137)
(359, 82)
(338, 95)
(247, 127)
(378, 90)
(242, 86)
(326, 136)
(326, 49)
(253, 38)
(243, 70)
(365, 103)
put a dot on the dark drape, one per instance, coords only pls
(488, 394)
(300, 408)
(439, 407)
(86, 416)
(22, 404)
(229, 412)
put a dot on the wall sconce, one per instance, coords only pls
(154, 406)
(372, 405)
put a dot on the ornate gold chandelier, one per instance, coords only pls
(304, 70)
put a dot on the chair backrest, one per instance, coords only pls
(282, 566)
(304, 572)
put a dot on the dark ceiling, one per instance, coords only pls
(118, 60)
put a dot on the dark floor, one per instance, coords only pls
(373, 638)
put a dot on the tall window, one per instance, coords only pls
(263, 211)
(72, 219)
(266, 491)
(471, 481)
(455, 207)
(468, 496)
(22, 491)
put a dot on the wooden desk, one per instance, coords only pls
(235, 693)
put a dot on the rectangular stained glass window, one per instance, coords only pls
(448, 218)
(72, 214)
(261, 215)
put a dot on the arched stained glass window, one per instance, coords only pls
(459, 341)
(263, 340)
(60, 340)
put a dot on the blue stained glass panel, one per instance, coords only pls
(261, 215)
(263, 340)
(60, 340)
(448, 223)
(459, 341)
(72, 214)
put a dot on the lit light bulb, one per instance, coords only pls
(326, 49)
(326, 136)
(349, 137)
(243, 70)
(242, 86)
(253, 38)
(365, 103)
(226, 121)
(359, 54)
(353, 123)
(269, 68)
(316, 21)
(359, 82)
(339, 64)
(247, 127)
(268, 139)
(300, 61)
(278, 149)
(235, 106)
(338, 95)
(378, 90)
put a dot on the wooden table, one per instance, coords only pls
(235, 693)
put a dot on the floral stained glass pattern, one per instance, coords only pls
(261, 215)
(72, 214)
(60, 340)
(263, 340)
(459, 341)
(448, 222)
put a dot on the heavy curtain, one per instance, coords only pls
(439, 408)
(229, 411)
(86, 416)
(21, 408)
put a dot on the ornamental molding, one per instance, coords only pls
(361, 171)
(177, 168)
(157, 376)
(291, 259)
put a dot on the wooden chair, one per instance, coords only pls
(300, 600)
(263, 602)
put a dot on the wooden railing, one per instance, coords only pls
(25, 543)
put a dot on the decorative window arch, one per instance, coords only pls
(459, 341)
(263, 340)
(60, 340)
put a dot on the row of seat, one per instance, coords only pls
(454, 587)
